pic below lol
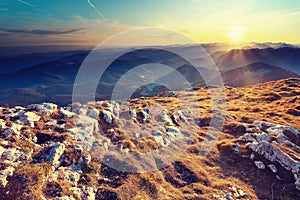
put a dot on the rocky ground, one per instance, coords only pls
(149, 148)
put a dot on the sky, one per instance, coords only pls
(88, 22)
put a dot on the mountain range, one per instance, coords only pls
(36, 77)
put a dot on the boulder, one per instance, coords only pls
(54, 154)
(94, 113)
(84, 131)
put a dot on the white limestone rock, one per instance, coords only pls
(94, 113)
(84, 131)
(88, 193)
(107, 116)
(166, 118)
(28, 118)
(54, 154)
(259, 164)
(9, 171)
(67, 113)
(45, 108)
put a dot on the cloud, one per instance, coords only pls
(41, 31)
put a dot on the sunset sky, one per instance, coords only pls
(83, 22)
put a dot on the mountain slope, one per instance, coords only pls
(255, 73)
(287, 58)
(48, 152)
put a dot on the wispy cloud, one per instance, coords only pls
(4, 9)
(26, 3)
(40, 31)
(92, 5)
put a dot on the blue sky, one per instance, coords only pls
(39, 22)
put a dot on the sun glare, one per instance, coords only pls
(236, 34)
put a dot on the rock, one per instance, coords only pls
(246, 138)
(82, 111)
(84, 131)
(132, 114)
(181, 116)
(88, 193)
(252, 156)
(45, 108)
(263, 124)
(272, 168)
(235, 147)
(4, 174)
(7, 132)
(142, 116)
(66, 113)
(263, 137)
(259, 164)
(278, 177)
(157, 133)
(105, 145)
(54, 154)
(51, 123)
(12, 154)
(2, 149)
(65, 198)
(273, 142)
(94, 113)
(87, 159)
(165, 117)
(107, 116)
(69, 174)
(116, 109)
(172, 129)
(28, 118)
(78, 148)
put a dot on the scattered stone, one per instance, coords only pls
(2, 149)
(54, 154)
(263, 137)
(45, 108)
(94, 113)
(272, 168)
(51, 123)
(7, 132)
(66, 113)
(269, 143)
(259, 164)
(172, 129)
(235, 147)
(4, 174)
(28, 118)
(88, 193)
(165, 117)
(84, 131)
(142, 116)
(107, 116)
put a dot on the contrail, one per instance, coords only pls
(28, 4)
(89, 2)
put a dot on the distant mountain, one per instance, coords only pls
(254, 73)
(51, 75)
(287, 58)
(16, 63)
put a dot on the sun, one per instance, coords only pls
(236, 34)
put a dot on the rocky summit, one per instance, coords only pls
(150, 148)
